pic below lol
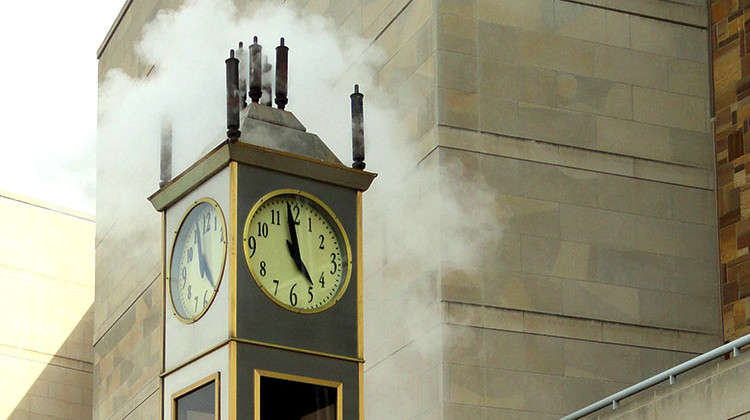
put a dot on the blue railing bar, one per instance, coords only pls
(670, 374)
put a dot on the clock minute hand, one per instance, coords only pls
(292, 231)
(294, 244)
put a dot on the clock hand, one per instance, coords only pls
(200, 250)
(294, 244)
(298, 261)
(305, 272)
(202, 263)
(206, 270)
(293, 254)
(292, 229)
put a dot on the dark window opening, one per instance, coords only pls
(281, 399)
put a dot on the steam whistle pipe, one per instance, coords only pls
(282, 65)
(233, 98)
(244, 73)
(358, 129)
(267, 97)
(165, 161)
(256, 71)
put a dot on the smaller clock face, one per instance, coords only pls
(197, 261)
(297, 251)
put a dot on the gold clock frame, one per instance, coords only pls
(336, 221)
(195, 204)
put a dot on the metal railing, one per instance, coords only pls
(668, 375)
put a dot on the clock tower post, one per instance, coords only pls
(262, 241)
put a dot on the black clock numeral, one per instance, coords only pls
(322, 281)
(206, 222)
(196, 304)
(263, 229)
(275, 217)
(293, 296)
(190, 291)
(310, 293)
(276, 290)
(251, 245)
(190, 254)
(205, 298)
(263, 268)
(321, 246)
(295, 210)
(309, 224)
(333, 262)
(183, 274)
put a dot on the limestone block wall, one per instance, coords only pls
(584, 127)
(716, 391)
(127, 333)
(587, 126)
(730, 66)
(47, 278)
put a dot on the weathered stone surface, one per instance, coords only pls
(608, 362)
(561, 127)
(668, 39)
(519, 83)
(669, 109)
(715, 393)
(456, 33)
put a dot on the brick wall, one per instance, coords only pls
(731, 70)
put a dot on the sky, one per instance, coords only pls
(49, 91)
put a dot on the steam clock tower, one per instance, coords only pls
(262, 244)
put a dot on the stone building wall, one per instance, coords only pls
(582, 126)
(589, 123)
(730, 79)
(47, 278)
(129, 297)
(714, 391)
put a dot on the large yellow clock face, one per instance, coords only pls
(297, 251)
(197, 260)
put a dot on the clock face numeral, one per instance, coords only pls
(197, 260)
(297, 251)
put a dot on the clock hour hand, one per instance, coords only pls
(298, 261)
(206, 270)
(202, 263)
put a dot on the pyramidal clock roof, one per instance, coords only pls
(279, 129)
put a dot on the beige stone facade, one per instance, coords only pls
(715, 391)
(584, 125)
(587, 127)
(47, 275)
